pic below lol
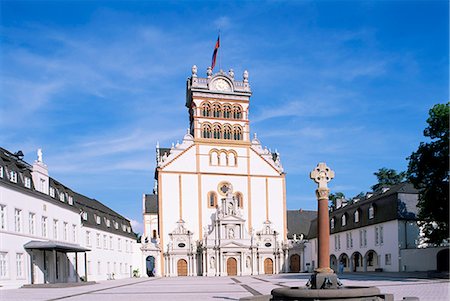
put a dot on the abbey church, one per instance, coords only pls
(219, 202)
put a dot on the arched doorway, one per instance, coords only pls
(150, 266)
(295, 263)
(442, 260)
(357, 263)
(182, 267)
(371, 261)
(268, 266)
(333, 263)
(231, 266)
(344, 263)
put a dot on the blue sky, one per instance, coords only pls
(97, 83)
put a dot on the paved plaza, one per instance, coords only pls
(227, 288)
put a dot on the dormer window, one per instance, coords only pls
(13, 176)
(70, 200)
(84, 216)
(344, 220)
(129, 229)
(52, 192)
(27, 182)
(1, 171)
(108, 223)
(371, 212)
(61, 196)
(98, 219)
(116, 225)
(356, 216)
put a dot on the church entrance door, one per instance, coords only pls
(295, 263)
(182, 267)
(268, 266)
(231, 266)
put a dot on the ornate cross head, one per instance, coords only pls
(322, 174)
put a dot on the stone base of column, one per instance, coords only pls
(344, 294)
(324, 281)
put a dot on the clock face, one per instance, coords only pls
(221, 85)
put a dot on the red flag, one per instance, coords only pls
(213, 63)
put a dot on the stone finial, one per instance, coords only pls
(322, 174)
(39, 155)
(194, 71)
(209, 72)
(231, 73)
(245, 76)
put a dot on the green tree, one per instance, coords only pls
(428, 171)
(387, 178)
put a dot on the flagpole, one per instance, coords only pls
(220, 55)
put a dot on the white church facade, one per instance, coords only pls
(219, 207)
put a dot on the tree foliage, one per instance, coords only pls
(334, 196)
(428, 171)
(387, 178)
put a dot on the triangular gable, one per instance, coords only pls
(260, 166)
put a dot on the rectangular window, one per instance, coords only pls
(61, 196)
(55, 229)
(347, 240)
(98, 240)
(3, 265)
(119, 244)
(1, 171)
(99, 268)
(110, 243)
(44, 226)
(335, 243)
(365, 237)
(18, 220)
(105, 242)
(377, 240)
(351, 240)
(52, 192)
(31, 223)
(19, 265)
(387, 259)
(339, 241)
(13, 176)
(27, 182)
(74, 233)
(88, 238)
(89, 267)
(360, 238)
(66, 231)
(70, 200)
(381, 235)
(2, 217)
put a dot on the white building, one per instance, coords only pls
(220, 203)
(379, 232)
(51, 234)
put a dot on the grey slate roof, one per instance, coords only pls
(81, 203)
(151, 203)
(399, 202)
(299, 222)
(54, 245)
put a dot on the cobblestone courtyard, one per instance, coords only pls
(226, 288)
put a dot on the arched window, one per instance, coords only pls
(206, 130)
(206, 109)
(154, 234)
(239, 199)
(212, 199)
(237, 133)
(216, 108)
(223, 161)
(227, 131)
(217, 131)
(344, 220)
(371, 211)
(237, 112)
(232, 159)
(214, 158)
(356, 216)
(226, 111)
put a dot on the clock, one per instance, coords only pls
(221, 85)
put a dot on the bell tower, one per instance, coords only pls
(218, 107)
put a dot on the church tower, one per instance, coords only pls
(218, 107)
(220, 197)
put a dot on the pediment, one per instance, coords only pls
(235, 244)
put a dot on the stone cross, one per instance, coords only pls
(322, 174)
